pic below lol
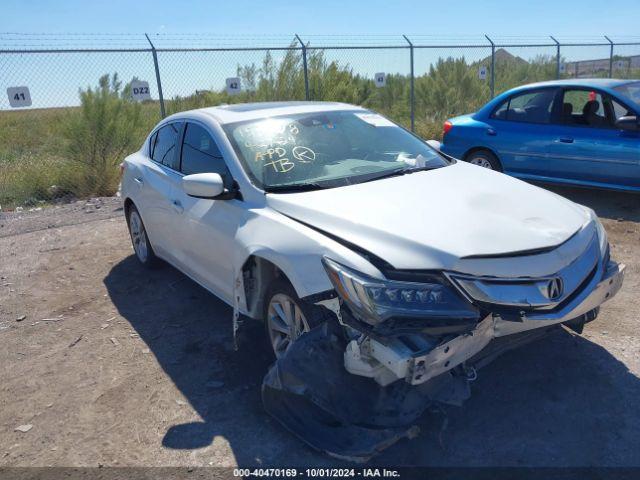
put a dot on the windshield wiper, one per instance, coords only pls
(298, 187)
(398, 172)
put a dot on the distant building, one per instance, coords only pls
(587, 68)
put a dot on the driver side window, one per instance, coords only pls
(200, 154)
(590, 109)
(583, 108)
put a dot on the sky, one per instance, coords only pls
(55, 79)
(329, 17)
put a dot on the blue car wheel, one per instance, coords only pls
(484, 158)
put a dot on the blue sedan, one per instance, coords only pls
(581, 132)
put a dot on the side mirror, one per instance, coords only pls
(203, 185)
(628, 122)
(434, 144)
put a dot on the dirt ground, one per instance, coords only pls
(115, 365)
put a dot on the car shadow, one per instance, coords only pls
(563, 400)
(606, 203)
(189, 331)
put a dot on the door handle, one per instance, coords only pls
(138, 180)
(492, 132)
(565, 140)
(177, 206)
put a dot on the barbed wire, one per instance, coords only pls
(96, 40)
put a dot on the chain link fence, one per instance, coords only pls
(72, 106)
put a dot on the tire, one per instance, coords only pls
(282, 329)
(140, 240)
(484, 158)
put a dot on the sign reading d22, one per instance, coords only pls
(482, 72)
(233, 86)
(140, 90)
(380, 79)
(19, 97)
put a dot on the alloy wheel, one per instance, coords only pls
(285, 322)
(481, 162)
(138, 236)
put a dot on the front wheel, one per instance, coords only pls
(485, 159)
(286, 317)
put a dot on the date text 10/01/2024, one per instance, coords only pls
(317, 472)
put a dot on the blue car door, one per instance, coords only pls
(587, 146)
(520, 130)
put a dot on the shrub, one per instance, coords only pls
(106, 128)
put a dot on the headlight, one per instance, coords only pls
(373, 300)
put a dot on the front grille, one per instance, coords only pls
(523, 294)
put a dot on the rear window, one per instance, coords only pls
(165, 145)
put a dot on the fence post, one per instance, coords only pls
(557, 56)
(493, 66)
(158, 82)
(610, 57)
(304, 64)
(412, 100)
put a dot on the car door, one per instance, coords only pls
(588, 147)
(207, 227)
(158, 179)
(520, 129)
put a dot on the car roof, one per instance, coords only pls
(578, 82)
(606, 84)
(240, 112)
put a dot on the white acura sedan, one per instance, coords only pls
(297, 213)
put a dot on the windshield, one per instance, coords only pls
(327, 149)
(630, 90)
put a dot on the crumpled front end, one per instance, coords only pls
(418, 338)
(506, 307)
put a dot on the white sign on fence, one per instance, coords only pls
(482, 72)
(233, 85)
(380, 79)
(19, 97)
(619, 65)
(563, 68)
(140, 90)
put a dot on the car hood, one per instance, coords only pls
(432, 219)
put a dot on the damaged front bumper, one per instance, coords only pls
(417, 358)
(352, 393)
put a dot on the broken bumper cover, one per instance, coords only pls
(392, 360)
(350, 417)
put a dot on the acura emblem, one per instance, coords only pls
(554, 288)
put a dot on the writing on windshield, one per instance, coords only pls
(327, 147)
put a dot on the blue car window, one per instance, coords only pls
(527, 107)
(588, 108)
(531, 107)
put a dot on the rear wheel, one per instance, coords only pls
(485, 159)
(140, 240)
